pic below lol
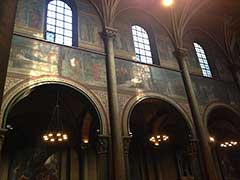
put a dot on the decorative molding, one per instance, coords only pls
(192, 148)
(122, 101)
(109, 33)
(2, 135)
(102, 144)
(11, 82)
(26, 85)
(126, 143)
(181, 53)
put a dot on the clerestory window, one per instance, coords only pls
(202, 58)
(142, 45)
(59, 23)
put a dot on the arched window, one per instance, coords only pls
(59, 23)
(141, 45)
(202, 58)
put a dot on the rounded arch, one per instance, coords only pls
(148, 14)
(139, 98)
(215, 105)
(207, 35)
(22, 89)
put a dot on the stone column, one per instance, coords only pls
(7, 18)
(126, 144)
(115, 124)
(102, 147)
(210, 171)
(193, 158)
(2, 137)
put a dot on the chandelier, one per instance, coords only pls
(156, 140)
(55, 132)
(226, 144)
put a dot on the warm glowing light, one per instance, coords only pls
(211, 139)
(167, 3)
(229, 144)
(85, 141)
(158, 139)
(55, 137)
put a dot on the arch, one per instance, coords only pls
(139, 98)
(208, 35)
(22, 89)
(129, 9)
(216, 105)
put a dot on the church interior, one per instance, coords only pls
(120, 90)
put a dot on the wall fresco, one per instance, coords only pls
(134, 76)
(32, 57)
(30, 14)
(84, 67)
(124, 40)
(208, 90)
(89, 30)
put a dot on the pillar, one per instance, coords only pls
(7, 18)
(115, 124)
(193, 158)
(2, 137)
(126, 144)
(102, 147)
(210, 171)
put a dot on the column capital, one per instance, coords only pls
(181, 52)
(192, 148)
(109, 32)
(3, 132)
(102, 144)
(126, 143)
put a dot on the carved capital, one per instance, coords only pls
(109, 32)
(126, 143)
(2, 135)
(181, 53)
(192, 148)
(102, 144)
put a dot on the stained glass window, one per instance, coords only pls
(202, 58)
(59, 23)
(141, 45)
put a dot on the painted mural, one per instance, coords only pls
(89, 30)
(124, 40)
(166, 50)
(84, 67)
(26, 163)
(30, 14)
(222, 67)
(134, 76)
(32, 57)
(208, 90)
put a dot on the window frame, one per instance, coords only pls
(152, 45)
(73, 7)
(203, 61)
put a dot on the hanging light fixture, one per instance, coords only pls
(55, 132)
(156, 140)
